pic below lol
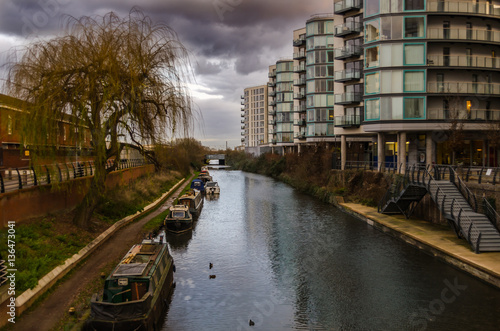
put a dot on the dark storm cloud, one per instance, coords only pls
(232, 42)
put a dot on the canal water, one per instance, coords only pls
(286, 261)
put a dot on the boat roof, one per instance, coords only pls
(211, 184)
(190, 194)
(137, 261)
(179, 208)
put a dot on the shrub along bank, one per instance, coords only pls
(311, 172)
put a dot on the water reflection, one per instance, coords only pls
(288, 262)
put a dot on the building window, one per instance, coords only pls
(372, 30)
(414, 5)
(414, 108)
(372, 109)
(372, 83)
(371, 7)
(414, 81)
(414, 54)
(9, 125)
(371, 57)
(414, 27)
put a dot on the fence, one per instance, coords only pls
(19, 178)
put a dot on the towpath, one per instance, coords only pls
(48, 313)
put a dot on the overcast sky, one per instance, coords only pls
(232, 43)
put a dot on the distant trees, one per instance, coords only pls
(122, 78)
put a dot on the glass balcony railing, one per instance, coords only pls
(464, 87)
(272, 103)
(348, 28)
(301, 67)
(347, 75)
(465, 7)
(299, 95)
(271, 93)
(299, 55)
(347, 98)
(347, 121)
(300, 81)
(463, 114)
(464, 34)
(272, 112)
(300, 108)
(272, 74)
(348, 51)
(343, 6)
(463, 61)
(300, 41)
(299, 122)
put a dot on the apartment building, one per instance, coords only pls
(254, 124)
(408, 81)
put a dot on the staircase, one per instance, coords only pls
(455, 201)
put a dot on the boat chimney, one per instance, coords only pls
(161, 239)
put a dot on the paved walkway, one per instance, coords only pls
(437, 240)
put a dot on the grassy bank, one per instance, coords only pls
(311, 173)
(44, 243)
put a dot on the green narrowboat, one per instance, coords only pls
(136, 293)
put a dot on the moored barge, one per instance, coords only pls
(136, 293)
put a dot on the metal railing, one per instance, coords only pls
(20, 178)
(469, 7)
(450, 207)
(463, 34)
(463, 61)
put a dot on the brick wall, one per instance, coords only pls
(40, 200)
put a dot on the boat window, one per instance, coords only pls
(179, 214)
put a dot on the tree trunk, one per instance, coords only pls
(86, 208)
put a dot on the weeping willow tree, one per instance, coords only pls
(121, 80)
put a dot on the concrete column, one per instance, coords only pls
(402, 153)
(381, 150)
(343, 151)
(429, 149)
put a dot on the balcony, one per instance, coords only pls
(300, 81)
(464, 34)
(243, 103)
(299, 122)
(348, 28)
(242, 115)
(348, 98)
(347, 75)
(347, 121)
(299, 68)
(464, 7)
(272, 112)
(272, 103)
(464, 88)
(299, 55)
(243, 127)
(473, 115)
(300, 108)
(243, 97)
(347, 52)
(242, 121)
(271, 93)
(242, 140)
(463, 61)
(272, 74)
(271, 84)
(272, 122)
(299, 95)
(300, 135)
(344, 6)
(300, 42)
